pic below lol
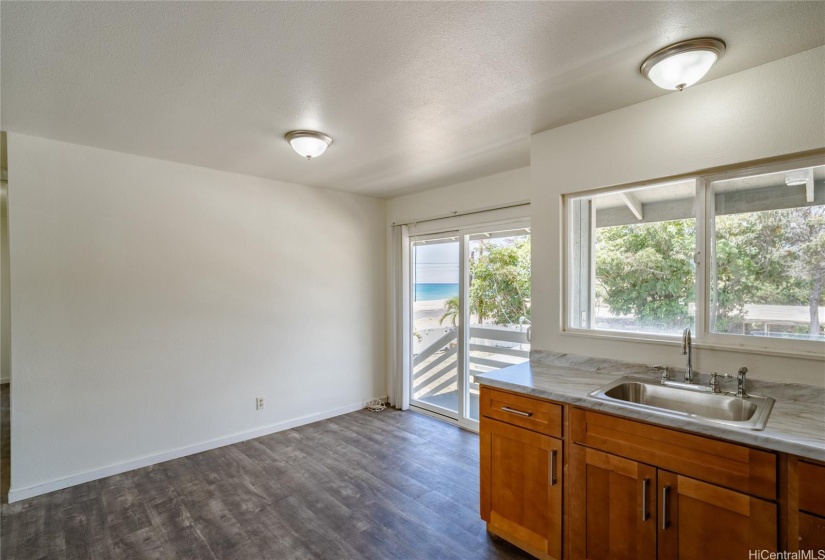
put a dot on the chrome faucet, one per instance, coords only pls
(740, 383)
(687, 350)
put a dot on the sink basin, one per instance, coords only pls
(721, 408)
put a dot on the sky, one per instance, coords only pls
(436, 263)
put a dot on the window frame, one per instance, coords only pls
(704, 259)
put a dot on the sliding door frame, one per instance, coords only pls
(462, 235)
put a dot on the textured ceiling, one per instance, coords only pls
(415, 95)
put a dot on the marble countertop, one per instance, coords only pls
(796, 424)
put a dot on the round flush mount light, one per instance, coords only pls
(308, 143)
(682, 64)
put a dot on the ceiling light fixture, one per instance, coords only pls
(308, 143)
(682, 64)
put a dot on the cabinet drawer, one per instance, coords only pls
(811, 488)
(727, 464)
(526, 412)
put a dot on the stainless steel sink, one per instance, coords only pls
(720, 408)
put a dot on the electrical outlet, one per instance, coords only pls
(259, 403)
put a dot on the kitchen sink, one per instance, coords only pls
(720, 408)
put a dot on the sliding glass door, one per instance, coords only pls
(436, 314)
(470, 314)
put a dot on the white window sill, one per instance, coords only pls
(815, 353)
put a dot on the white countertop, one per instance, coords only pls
(796, 424)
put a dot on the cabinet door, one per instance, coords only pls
(698, 521)
(809, 506)
(811, 533)
(612, 507)
(521, 480)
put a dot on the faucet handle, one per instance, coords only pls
(714, 381)
(663, 369)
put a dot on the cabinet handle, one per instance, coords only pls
(645, 513)
(665, 492)
(553, 454)
(514, 411)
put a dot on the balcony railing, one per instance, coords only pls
(435, 369)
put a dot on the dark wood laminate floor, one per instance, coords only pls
(382, 485)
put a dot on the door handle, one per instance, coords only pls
(553, 454)
(665, 492)
(514, 411)
(645, 513)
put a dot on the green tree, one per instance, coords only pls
(451, 311)
(500, 282)
(499, 285)
(768, 257)
(647, 270)
(744, 253)
(774, 257)
(803, 245)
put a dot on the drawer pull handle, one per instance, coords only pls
(514, 411)
(553, 454)
(645, 513)
(665, 492)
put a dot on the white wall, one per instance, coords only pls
(5, 295)
(152, 302)
(770, 110)
(493, 191)
(5, 302)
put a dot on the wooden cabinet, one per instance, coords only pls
(805, 505)
(526, 412)
(613, 507)
(730, 465)
(521, 473)
(629, 510)
(697, 520)
(607, 487)
(631, 506)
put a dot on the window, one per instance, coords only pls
(767, 236)
(632, 259)
(734, 257)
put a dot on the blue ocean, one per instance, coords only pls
(431, 292)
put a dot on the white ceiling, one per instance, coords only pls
(415, 95)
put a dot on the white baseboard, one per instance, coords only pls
(17, 494)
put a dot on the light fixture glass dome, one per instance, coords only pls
(681, 65)
(308, 143)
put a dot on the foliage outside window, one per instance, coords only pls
(768, 239)
(645, 276)
(499, 283)
(632, 260)
(500, 280)
(635, 263)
